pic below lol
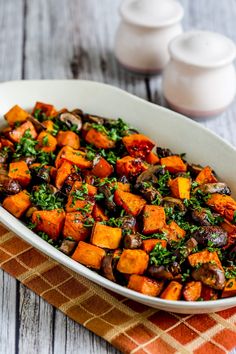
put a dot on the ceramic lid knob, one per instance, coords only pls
(151, 13)
(203, 49)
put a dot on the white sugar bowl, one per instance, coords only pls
(200, 80)
(146, 28)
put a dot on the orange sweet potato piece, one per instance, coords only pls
(192, 291)
(228, 227)
(208, 293)
(222, 204)
(133, 204)
(49, 125)
(106, 236)
(152, 158)
(98, 214)
(174, 232)
(16, 114)
(204, 256)
(6, 142)
(206, 176)
(20, 172)
(148, 245)
(125, 187)
(68, 138)
(101, 168)
(76, 157)
(154, 219)
(76, 201)
(172, 291)
(174, 164)
(230, 288)
(133, 262)
(62, 173)
(18, 133)
(74, 227)
(46, 142)
(17, 204)
(99, 139)
(48, 109)
(49, 221)
(145, 285)
(129, 166)
(138, 145)
(89, 255)
(180, 187)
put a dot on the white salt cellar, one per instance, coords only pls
(200, 80)
(146, 28)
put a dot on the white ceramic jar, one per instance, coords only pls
(146, 28)
(200, 80)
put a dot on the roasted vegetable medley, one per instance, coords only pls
(103, 194)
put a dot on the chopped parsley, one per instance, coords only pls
(161, 256)
(44, 198)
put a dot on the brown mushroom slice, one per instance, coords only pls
(210, 188)
(68, 246)
(150, 193)
(108, 268)
(132, 241)
(108, 200)
(9, 186)
(150, 175)
(38, 126)
(93, 119)
(175, 203)
(211, 275)
(71, 120)
(214, 235)
(201, 217)
(185, 251)
(194, 169)
(164, 152)
(159, 272)
(128, 222)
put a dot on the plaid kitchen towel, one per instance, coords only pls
(129, 326)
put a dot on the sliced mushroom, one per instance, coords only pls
(68, 246)
(128, 223)
(211, 188)
(4, 155)
(177, 204)
(159, 272)
(41, 175)
(213, 234)
(71, 120)
(9, 186)
(132, 241)
(211, 275)
(194, 169)
(30, 211)
(150, 193)
(186, 250)
(123, 179)
(108, 267)
(162, 152)
(150, 175)
(201, 217)
(38, 126)
(28, 159)
(108, 197)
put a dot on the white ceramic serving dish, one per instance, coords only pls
(167, 128)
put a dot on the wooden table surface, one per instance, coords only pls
(73, 39)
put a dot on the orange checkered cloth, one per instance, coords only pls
(129, 326)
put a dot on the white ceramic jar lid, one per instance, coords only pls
(151, 13)
(203, 49)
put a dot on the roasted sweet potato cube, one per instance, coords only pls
(154, 219)
(192, 291)
(208, 293)
(98, 214)
(130, 166)
(180, 187)
(174, 164)
(230, 288)
(16, 114)
(133, 262)
(76, 157)
(46, 142)
(222, 204)
(148, 245)
(17, 204)
(81, 195)
(228, 227)
(172, 291)
(68, 138)
(174, 232)
(45, 108)
(125, 187)
(204, 256)
(106, 236)
(138, 145)
(49, 221)
(74, 227)
(20, 172)
(206, 176)
(62, 173)
(101, 168)
(152, 158)
(145, 285)
(49, 125)
(133, 204)
(18, 133)
(89, 255)
(99, 139)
